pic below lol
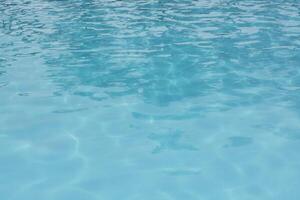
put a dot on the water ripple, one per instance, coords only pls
(104, 99)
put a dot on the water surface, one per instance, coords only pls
(149, 99)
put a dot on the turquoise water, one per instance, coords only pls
(149, 100)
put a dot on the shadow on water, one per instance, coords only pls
(129, 50)
(166, 52)
(20, 27)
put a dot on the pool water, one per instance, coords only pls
(149, 100)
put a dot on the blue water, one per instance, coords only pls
(149, 100)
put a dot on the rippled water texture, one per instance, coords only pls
(149, 100)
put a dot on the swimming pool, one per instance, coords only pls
(149, 99)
